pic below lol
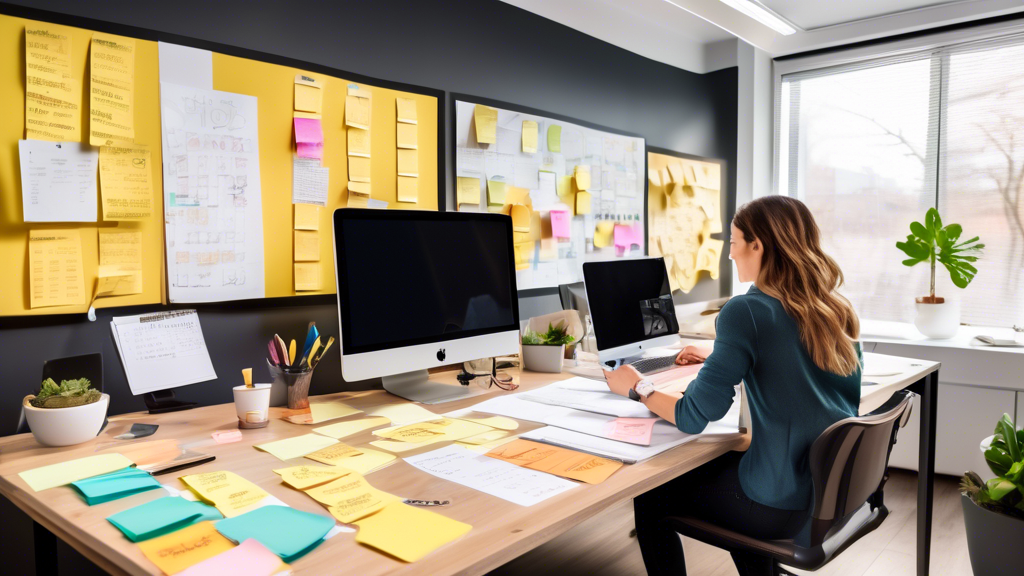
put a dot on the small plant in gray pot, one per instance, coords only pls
(543, 352)
(994, 509)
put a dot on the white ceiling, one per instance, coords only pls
(811, 14)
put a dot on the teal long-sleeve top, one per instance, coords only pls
(791, 400)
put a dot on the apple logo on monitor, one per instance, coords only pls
(440, 355)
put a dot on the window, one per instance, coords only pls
(870, 147)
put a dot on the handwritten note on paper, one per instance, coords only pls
(632, 430)
(357, 112)
(407, 136)
(406, 110)
(408, 163)
(468, 191)
(555, 460)
(351, 497)
(112, 90)
(53, 95)
(307, 217)
(358, 142)
(307, 246)
(126, 182)
(58, 181)
(303, 477)
(56, 273)
(309, 181)
(506, 481)
(408, 533)
(177, 551)
(408, 189)
(229, 492)
(121, 256)
(529, 136)
(561, 224)
(334, 454)
(309, 138)
(162, 350)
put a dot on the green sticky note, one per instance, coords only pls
(287, 532)
(120, 484)
(495, 192)
(161, 516)
(554, 138)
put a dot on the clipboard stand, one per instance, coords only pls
(162, 401)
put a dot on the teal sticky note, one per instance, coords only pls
(161, 516)
(287, 532)
(107, 487)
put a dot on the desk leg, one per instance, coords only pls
(926, 471)
(45, 544)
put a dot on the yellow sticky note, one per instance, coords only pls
(408, 189)
(296, 446)
(303, 477)
(402, 413)
(112, 90)
(178, 550)
(358, 169)
(307, 274)
(358, 142)
(343, 429)
(583, 202)
(357, 201)
(529, 136)
(126, 183)
(357, 112)
(495, 192)
(408, 533)
(308, 96)
(500, 422)
(603, 234)
(73, 471)
(406, 110)
(486, 122)
(56, 276)
(333, 454)
(468, 191)
(408, 163)
(675, 172)
(369, 461)
(654, 177)
(582, 174)
(324, 410)
(407, 136)
(121, 256)
(307, 246)
(484, 437)
(517, 195)
(229, 492)
(565, 186)
(520, 218)
(359, 188)
(307, 217)
(351, 497)
(554, 138)
(53, 95)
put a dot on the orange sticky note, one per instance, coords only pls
(557, 461)
(179, 550)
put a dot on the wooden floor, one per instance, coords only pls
(603, 546)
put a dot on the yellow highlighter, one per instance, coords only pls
(291, 353)
(312, 352)
(247, 376)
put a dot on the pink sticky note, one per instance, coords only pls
(560, 224)
(308, 130)
(625, 236)
(250, 558)
(226, 436)
(308, 150)
(632, 430)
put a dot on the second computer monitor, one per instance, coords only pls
(631, 306)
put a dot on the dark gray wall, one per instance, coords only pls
(480, 47)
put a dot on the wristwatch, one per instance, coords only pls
(642, 389)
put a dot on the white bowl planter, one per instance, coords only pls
(539, 358)
(67, 426)
(938, 321)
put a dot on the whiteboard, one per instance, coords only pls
(618, 187)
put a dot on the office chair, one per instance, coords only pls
(848, 464)
(85, 366)
(574, 297)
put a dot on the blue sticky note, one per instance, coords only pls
(161, 516)
(107, 487)
(287, 532)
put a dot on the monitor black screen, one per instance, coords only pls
(407, 278)
(630, 301)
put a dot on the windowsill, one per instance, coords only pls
(900, 333)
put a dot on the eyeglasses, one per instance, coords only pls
(502, 380)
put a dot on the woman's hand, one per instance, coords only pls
(622, 379)
(692, 355)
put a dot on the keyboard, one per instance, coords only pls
(653, 364)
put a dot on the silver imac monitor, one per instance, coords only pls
(630, 306)
(418, 290)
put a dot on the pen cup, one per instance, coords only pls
(296, 383)
(252, 405)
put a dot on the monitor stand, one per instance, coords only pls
(164, 401)
(417, 387)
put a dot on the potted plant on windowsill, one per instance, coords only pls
(543, 352)
(934, 243)
(994, 510)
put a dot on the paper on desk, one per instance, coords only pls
(250, 558)
(324, 410)
(229, 492)
(285, 531)
(506, 481)
(296, 446)
(121, 255)
(58, 181)
(499, 422)
(73, 470)
(53, 95)
(438, 430)
(303, 477)
(599, 401)
(408, 533)
(176, 551)
(161, 516)
(402, 413)
(162, 350)
(485, 437)
(632, 430)
(309, 181)
(334, 454)
(112, 94)
(56, 272)
(555, 460)
(343, 429)
(369, 461)
(350, 497)
(126, 182)
(115, 485)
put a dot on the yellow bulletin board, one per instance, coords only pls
(271, 80)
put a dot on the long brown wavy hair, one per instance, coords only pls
(797, 272)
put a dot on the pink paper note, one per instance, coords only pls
(560, 224)
(632, 430)
(227, 436)
(307, 150)
(625, 236)
(250, 558)
(308, 130)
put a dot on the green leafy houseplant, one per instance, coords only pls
(557, 335)
(932, 242)
(1005, 457)
(70, 393)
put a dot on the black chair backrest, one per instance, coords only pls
(848, 461)
(73, 367)
(574, 297)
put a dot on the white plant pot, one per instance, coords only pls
(543, 358)
(67, 426)
(938, 321)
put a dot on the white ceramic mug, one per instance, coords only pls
(252, 405)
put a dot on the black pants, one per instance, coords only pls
(711, 493)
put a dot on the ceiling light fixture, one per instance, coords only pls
(762, 14)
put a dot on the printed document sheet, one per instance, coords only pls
(162, 350)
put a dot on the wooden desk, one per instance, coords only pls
(501, 530)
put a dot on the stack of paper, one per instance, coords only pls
(285, 531)
(100, 489)
(345, 492)
(176, 551)
(229, 492)
(408, 533)
(161, 516)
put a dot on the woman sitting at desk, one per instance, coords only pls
(791, 339)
